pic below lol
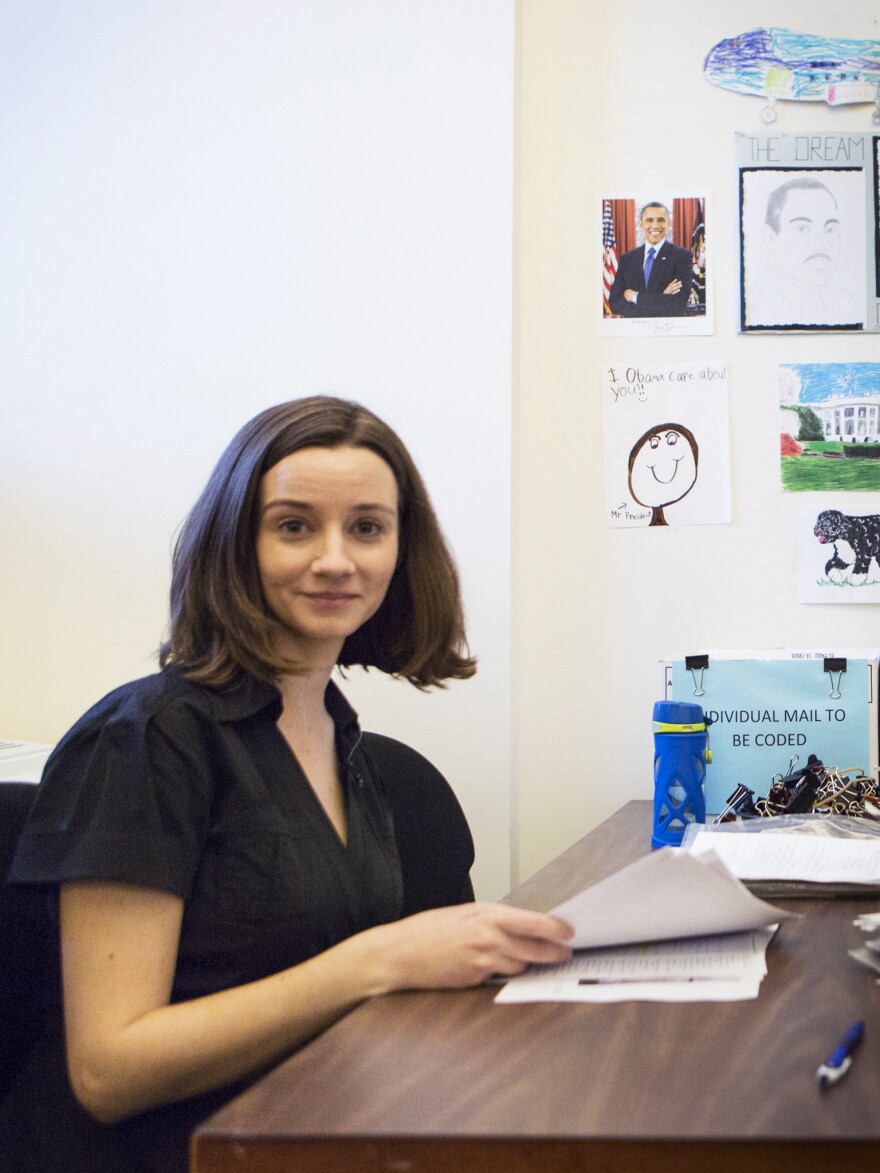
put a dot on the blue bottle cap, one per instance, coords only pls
(678, 713)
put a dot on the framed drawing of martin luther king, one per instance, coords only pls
(655, 272)
(808, 233)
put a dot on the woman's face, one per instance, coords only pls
(663, 469)
(327, 545)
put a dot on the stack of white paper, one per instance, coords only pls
(770, 858)
(22, 761)
(661, 896)
(723, 968)
(684, 928)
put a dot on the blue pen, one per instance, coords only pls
(840, 1060)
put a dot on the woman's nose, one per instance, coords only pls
(332, 556)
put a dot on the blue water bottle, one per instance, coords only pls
(681, 751)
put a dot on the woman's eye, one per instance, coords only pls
(367, 529)
(292, 527)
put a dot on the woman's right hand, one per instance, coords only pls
(462, 945)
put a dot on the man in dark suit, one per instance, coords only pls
(653, 280)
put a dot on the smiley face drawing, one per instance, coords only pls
(663, 468)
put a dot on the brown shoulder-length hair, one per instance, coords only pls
(220, 624)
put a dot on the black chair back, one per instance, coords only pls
(433, 838)
(27, 944)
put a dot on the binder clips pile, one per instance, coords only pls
(815, 789)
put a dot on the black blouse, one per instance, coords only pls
(173, 785)
(194, 790)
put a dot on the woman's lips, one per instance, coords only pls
(330, 600)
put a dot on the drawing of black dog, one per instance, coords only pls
(861, 533)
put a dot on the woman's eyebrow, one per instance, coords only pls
(377, 507)
(286, 503)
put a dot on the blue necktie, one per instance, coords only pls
(649, 265)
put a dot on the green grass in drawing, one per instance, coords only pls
(823, 467)
(847, 582)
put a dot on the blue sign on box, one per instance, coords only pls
(767, 712)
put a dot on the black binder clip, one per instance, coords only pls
(835, 666)
(695, 664)
(740, 805)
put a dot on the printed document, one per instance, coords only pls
(767, 856)
(671, 927)
(699, 969)
(662, 896)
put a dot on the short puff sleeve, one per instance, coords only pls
(126, 795)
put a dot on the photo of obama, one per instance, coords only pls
(653, 280)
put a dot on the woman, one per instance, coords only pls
(221, 843)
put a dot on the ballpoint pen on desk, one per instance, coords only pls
(840, 1060)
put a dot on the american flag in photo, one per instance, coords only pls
(609, 255)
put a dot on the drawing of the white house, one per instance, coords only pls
(852, 420)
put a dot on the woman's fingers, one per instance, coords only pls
(535, 940)
(462, 945)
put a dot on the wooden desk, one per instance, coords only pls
(442, 1082)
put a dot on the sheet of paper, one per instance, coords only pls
(662, 896)
(707, 958)
(555, 990)
(706, 969)
(768, 856)
(666, 443)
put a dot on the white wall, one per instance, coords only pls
(612, 97)
(209, 207)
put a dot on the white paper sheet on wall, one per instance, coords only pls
(666, 444)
